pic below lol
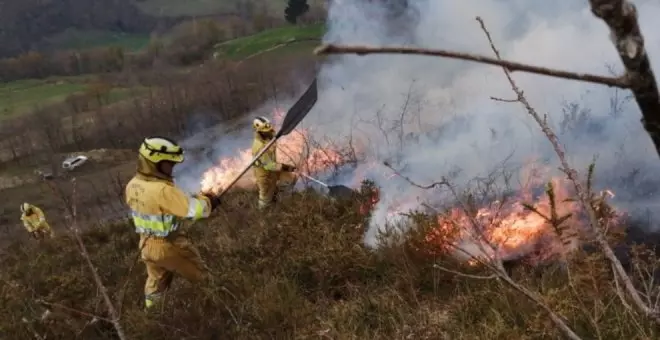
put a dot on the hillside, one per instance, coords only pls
(82, 24)
(23, 96)
(479, 261)
(298, 272)
(245, 47)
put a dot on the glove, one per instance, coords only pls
(288, 168)
(215, 200)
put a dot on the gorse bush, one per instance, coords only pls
(301, 271)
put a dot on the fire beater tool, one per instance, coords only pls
(337, 191)
(292, 118)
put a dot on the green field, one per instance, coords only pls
(22, 96)
(242, 48)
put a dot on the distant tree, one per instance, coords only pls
(294, 9)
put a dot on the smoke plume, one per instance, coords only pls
(433, 117)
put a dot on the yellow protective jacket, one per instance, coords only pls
(34, 221)
(158, 206)
(267, 163)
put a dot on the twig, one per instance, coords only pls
(554, 316)
(500, 273)
(582, 195)
(97, 279)
(31, 328)
(122, 291)
(504, 100)
(621, 82)
(455, 272)
(69, 309)
(443, 182)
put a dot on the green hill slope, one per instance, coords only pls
(245, 47)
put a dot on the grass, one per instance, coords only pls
(80, 40)
(242, 48)
(24, 95)
(295, 273)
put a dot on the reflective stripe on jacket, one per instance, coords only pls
(35, 220)
(157, 206)
(268, 160)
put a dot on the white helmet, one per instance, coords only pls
(262, 124)
(25, 207)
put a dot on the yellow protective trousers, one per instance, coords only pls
(271, 182)
(164, 257)
(43, 231)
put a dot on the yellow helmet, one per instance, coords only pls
(25, 207)
(158, 149)
(262, 124)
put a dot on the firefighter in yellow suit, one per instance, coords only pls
(34, 221)
(271, 176)
(157, 209)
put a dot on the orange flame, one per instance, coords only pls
(505, 229)
(508, 229)
(295, 148)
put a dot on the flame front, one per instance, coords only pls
(510, 230)
(294, 148)
(505, 229)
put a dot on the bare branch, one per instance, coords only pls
(511, 66)
(457, 273)
(504, 100)
(72, 310)
(97, 279)
(499, 273)
(443, 182)
(555, 318)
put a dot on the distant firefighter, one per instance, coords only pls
(34, 221)
(272, 176)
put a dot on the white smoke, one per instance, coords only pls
(452, 126)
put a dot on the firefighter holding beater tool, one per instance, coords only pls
(272, 177)
(158, 208)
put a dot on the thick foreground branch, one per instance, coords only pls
(620, 82)
(621, 17)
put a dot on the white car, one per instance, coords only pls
(74, 162)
